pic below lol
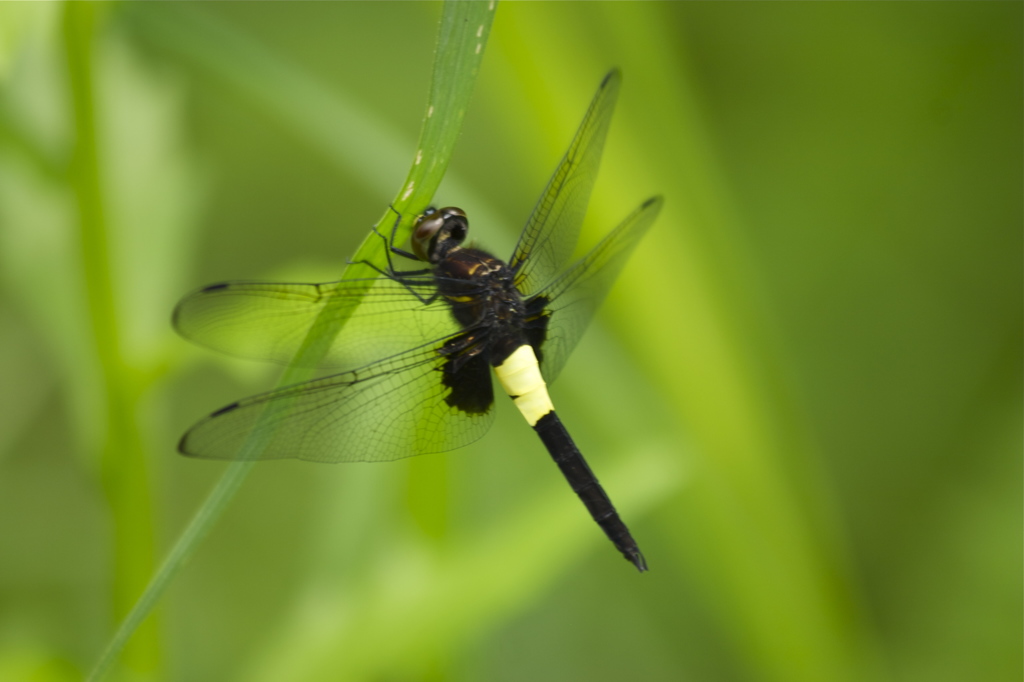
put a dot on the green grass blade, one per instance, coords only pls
(455, 73)
(322, 115)
(463, 33)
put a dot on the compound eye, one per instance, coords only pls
(456, 222)
(424, 232)
(438, 231)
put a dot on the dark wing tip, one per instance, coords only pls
(176, 315)
(657, 199)
(183, 444)
(215, 287)
(613, 74)
(226, 408)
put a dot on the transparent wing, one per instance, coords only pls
(268, 321)
(569, 302)
(387, 410)
(553, 228)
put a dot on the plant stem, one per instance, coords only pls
(122, 461)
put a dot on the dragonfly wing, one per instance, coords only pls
(553, 228)
(269, 321)
(409, 404)
(565, 307)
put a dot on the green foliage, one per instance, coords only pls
(804, 398)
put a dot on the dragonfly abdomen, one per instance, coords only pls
(520, 376)
(585, 484)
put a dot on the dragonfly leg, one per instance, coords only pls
(394, 236)
(390, 248)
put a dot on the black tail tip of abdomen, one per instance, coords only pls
(637, 559)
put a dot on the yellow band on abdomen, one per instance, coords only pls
(520, 377)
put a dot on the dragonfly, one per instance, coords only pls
(410, 372)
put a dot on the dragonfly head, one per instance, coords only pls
(437, 232)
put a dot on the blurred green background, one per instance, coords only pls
(804, 394)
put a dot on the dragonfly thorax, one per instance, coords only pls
(481, 292)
